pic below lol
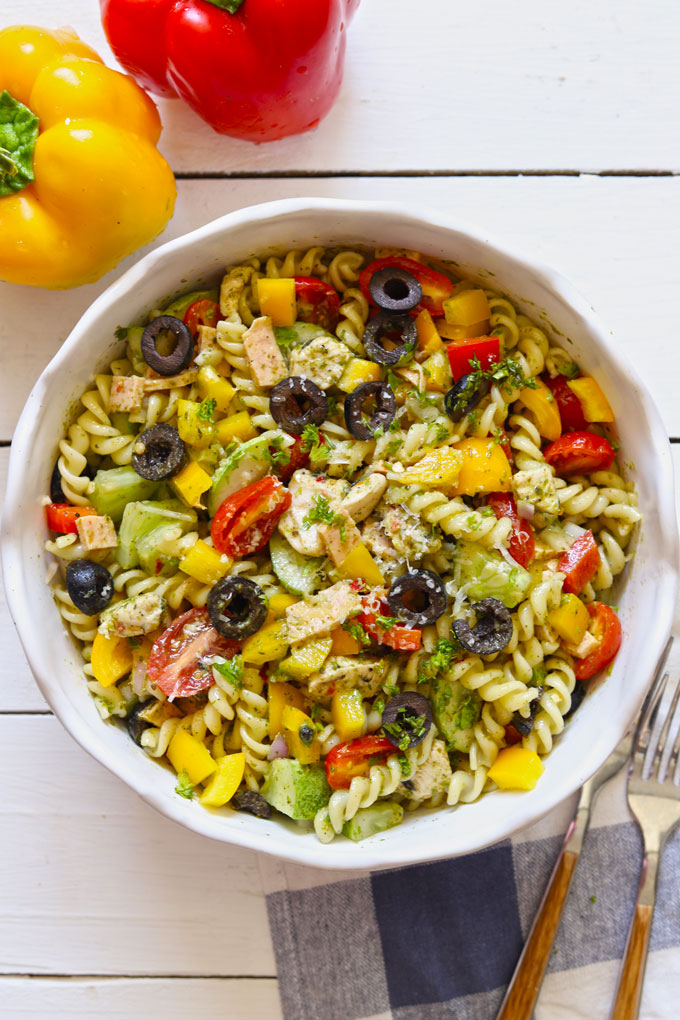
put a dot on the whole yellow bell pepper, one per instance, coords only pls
(82, 184)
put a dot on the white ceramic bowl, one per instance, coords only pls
(646, 598)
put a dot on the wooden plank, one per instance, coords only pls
(587, 85)
(604, 233)
(93, 881)
(139, 999)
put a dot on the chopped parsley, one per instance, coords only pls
(467, 714)
(321, 513)
(423, 397)
(379, 706)
(393, 380)
(357, 632)
(441, 432)
(508, 372)
(440, 661)
(538, 675)
(404, 765)
(185, 788)
(206, 409)
(386, 622)
(231, 670)
(277, 453)
(393, 446)
(405, 727)
(314, 443)
(332, 404)
(285, 336)
(120, 332)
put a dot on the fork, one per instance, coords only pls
(654, 801)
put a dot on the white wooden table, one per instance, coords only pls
(552, 124)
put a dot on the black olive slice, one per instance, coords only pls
(56, 491)
(419, 597)
(577, 696)
(406, 719)
(362, 421)
(464, 396)
(297, 402)
(237, 607)
(135, 724)
(90, 586)
(179, 357)
(158, 453)
(395, 290)
(491, 633)
(399, 330)
(250, 800)
(525, 724)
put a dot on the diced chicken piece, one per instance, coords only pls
(346, 456)
(305, 489)
(231, 289)
(157, 712)
(587, 645)
(363, 497)
(389, 561)
(171, 382)
(208, 352)
(322, 360)
(96, 532)
(322, 613)
(127, 393)
(138, 615)
(264, 356)
(347, 672)
(409, 536)
(433, 776)
(537, 486)
(339, 539)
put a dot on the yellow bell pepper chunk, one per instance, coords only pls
(237, 426)
(595, 405)
(360, 564)
(437, 372)
(541, 401)
(190, 484)
(570, 619)
(344, 643)
(225, 781)
(204, 563)
(277, 300)
(187, 754)
(440, 468)
(429, 339)
(485, 468)
(307, 658)
(347, 714)
(193, 429)
(466, 308)
(111, 659)
(278, 604)
(268, 644)
(358, 371)
(300, 734)
(279, 695)
(448, 332)
(516, 768)
(213, 386)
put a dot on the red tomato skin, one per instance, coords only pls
(580, 453)
(317, 302)
(62, 517)
(403, 639)
(485, 348)
(201, 313)
(606, 627)
(346, 761)
(568, 404)
(512, 736)
(261, 505)
(298, 459)
(436, 287)
(580, 563)
(174, 658)
(521, 545)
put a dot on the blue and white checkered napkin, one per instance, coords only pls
(442, 940)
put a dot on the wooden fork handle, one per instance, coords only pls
(521, 996)
(632, 975)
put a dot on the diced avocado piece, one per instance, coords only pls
(179, 306)
(148, 533)
(299, 575)
(485, 573)
(372, 820)
(455, 711)
(245, 465)
(296, 790)
(116, 487)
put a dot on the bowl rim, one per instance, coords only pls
(381, 854)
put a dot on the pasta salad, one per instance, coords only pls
(336, 539)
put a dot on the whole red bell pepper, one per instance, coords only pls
(254, 69)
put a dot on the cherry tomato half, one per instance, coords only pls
(580, 563)
(436, 287)
(201, 313)
(485, 348)
(176, 658)
(62, 517)
(521, 544)
(317, 302)
(245, 521)
(568, 404)
(346, 761)
(403, 639)
(580, 453)
(298, 457)
(606, 629)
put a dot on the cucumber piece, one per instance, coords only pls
(296, 790)
(485, 573)
(298, 335)
(145, 532)
(299, 575)
(134, 349)
(116, 487)
(372, 820)
(455, 711)
(179, 306)
(247, 464)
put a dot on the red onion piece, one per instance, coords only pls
(138, 675)
(525, 510)
(279, 748)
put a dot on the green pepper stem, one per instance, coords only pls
(8, 165)
(227, 5)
